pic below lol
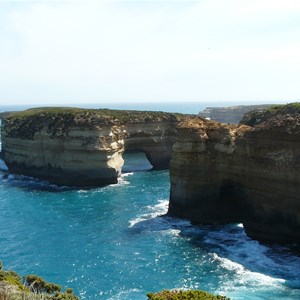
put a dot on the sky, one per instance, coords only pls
(60, 52)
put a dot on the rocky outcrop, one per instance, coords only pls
(230, 114)
(250, 174)
(83, 147)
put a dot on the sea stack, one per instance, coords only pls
(84, 147)
(248, 173)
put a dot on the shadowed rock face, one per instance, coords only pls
(221, 173)
(84, 147)
(155, 139)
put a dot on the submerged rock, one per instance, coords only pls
(250, 174)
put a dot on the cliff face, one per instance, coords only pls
(84, 147)
(221, 173)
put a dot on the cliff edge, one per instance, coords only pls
(84, 147)
(230, 114)
(247, 173)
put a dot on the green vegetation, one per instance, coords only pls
(39, 285)
(12, 278)
(253, 118)
(285, 108)
(57, 120)
(184, 295)
(104, 115)
(32, 287)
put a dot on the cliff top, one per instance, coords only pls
(4, 114)
(212, 129)
(25, 123)
(200, 123)
(89, 116)
(274, 114)
(286, 117)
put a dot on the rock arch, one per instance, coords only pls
(81, 147)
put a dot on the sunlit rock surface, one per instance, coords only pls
(80, 147)
(250, 174)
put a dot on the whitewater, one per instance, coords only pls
(116, 242)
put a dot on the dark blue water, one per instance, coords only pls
(114, 243)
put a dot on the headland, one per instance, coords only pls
(247, 173)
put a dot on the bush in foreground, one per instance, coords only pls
(184, 295)
(32, 287)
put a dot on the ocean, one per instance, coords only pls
(115, 242)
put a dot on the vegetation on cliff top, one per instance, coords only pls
(254, 118)
(25, 123)
(106, 116)
(198, 123)
(31, 287)
(184, 295)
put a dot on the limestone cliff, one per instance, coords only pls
(226, 173)
(70, 146)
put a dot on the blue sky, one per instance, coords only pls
(59, 52)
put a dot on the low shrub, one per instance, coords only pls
(184, 295)
(32, 287)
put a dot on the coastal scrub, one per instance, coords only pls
(30, 287)
(184, 295)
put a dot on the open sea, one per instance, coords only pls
(114, 242)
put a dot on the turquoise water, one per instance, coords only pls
(115, 242)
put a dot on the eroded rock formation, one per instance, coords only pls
(220, 173)
(82, 147)
(250, 174)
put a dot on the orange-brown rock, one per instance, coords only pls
(226, 173)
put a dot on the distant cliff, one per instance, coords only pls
(80, 147)
(230, 114)
(248, 173)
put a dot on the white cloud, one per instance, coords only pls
(173, 50)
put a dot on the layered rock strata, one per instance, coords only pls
(81, 147)
(250, 174)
